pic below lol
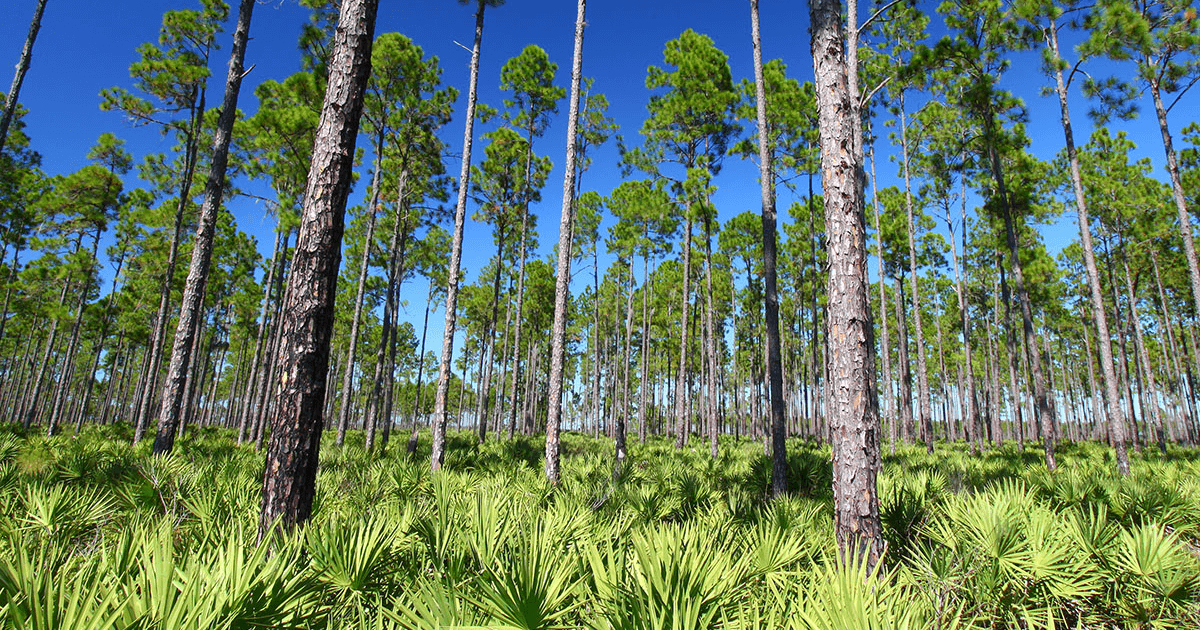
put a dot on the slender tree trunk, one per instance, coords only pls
(190, 311)
(1149, 388)
(887, 403)
(1116, 417)
(621, 427)
(460, 212)
(14, 92)
(359, 293)
(711, 353)
(972, 422)
(922, 364)
(64, 382)
(766, 153)
(246, 407)
(418, 407)
(906, 406)
(32, 408)
(159, 335)
(1045, 416)
(854, 407)
(683, 422)
(291, 467)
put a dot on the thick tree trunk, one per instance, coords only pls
(14, 92)
(437, 457)
(291, 467)
(854, 407)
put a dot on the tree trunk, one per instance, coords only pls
(190, 310)
(711, 353)
(888, 403)
(359, 293)
(291, 464)
(1116, 417)
(14, 92)
(854, 407)
(256, 382)
(1045, 418)
(766, 153)
(922, 364)
(460, 212)
(1149, 388)
(906, 406)
(683, 422)
(159, 335)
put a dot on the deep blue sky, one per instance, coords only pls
(86, 46)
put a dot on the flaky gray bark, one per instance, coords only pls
(563, 267)
(853, 411)
(291, 465)
(190, 310)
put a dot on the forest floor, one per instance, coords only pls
(95, 533)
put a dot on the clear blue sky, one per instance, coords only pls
(85, 46)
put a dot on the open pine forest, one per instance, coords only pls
(897, 342)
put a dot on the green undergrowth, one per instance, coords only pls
(95, 533)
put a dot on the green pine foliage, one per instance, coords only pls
(95, 533)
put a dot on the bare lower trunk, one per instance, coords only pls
(190, 310)
(683, 421)
(1116, 418)
(853, 411)
(778, 429)
(291, 464)
(460, 212)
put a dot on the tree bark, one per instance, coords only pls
(190, 311)
(854, 407)
(1116, 417)
(291, 464)
(766, 152)
(14, 92)
(359, 293)
(437, 457)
